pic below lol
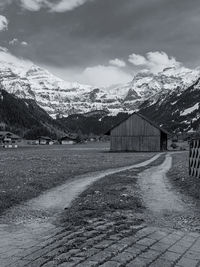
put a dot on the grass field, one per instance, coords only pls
(179, 176)
(26, 172)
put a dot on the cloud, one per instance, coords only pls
(13, 41)
(8, 58)
(3, 49)
(34, 5)
(154, 61)
(23, 43)
(3, 23)
(137, 60)
(118, 62)
(103, 76)
(67, 5)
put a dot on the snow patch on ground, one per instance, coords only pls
(189, 110)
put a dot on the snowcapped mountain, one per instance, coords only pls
(175, 111)
(147, 84)
(55, 95)
(50, 92)
(58, 97)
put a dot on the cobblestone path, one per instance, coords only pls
(100, 245)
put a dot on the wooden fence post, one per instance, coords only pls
(194, 158)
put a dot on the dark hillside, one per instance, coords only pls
(25, 117)
(96, 124)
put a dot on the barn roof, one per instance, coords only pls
(143, 117)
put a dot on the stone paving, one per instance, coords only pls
(108, 244)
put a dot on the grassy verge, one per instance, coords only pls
(26, 172)
(179, 176)
(115, 198)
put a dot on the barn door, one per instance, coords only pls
(163, 141)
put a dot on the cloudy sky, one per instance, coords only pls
(102, 42)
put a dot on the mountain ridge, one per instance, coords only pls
(62, 98)
(170, 97)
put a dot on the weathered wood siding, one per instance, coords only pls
(194, 158)
(135, 134)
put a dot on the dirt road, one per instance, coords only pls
(166, 207)
(28, 225)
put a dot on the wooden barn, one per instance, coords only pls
(137, 133)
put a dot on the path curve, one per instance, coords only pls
(31, 223)
(157, 191)
(53, 201)
(166, 206)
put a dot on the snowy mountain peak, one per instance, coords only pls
(59, 97)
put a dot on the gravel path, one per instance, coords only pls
(157, 191)
(167, 207)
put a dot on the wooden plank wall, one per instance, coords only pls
(135, 126)
(194, 158)
(135, 143)
(135, 134)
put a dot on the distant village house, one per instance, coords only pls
(9, 140)
(45, 140)
(68, 140)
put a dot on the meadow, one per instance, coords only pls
(27, 172)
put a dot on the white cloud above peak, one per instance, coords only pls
(118, 62)
(137, 60)
(154, 61)
(104, 76)
(3, 23)
(21, 65)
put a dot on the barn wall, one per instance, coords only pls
(135, 126)
(135, 134)
(135, 143)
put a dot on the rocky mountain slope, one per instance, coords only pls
(170, 97)
(58, 97)
(176, 110)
